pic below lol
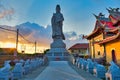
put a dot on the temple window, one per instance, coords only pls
(72, 51)
(98, 52)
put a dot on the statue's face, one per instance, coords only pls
(57, 9)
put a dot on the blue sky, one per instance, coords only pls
(77, 13)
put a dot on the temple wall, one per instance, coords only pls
(113, 46)
(96, 48)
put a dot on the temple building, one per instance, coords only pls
(104, 40)
(113, 41)
(80, 49)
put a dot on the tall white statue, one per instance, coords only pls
(57, 47)
(57, 23)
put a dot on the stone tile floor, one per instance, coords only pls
(59, 70)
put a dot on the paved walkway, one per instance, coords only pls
(59, 70)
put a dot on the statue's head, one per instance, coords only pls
(57, 8)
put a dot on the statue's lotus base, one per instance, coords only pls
(58, 51)
(58, 43)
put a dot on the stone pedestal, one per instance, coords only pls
(58, 50)
(58, 43)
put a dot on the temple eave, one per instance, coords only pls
(109, 39)
(94, 33)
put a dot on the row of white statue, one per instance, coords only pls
(21, 68)
(98, 70)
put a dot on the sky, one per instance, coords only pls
(78, 14)
(33, 17)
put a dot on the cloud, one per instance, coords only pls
(73, 38)
(42, 35)
(6, 12)
(71, 35)
(7, 35)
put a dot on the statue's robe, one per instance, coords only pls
(57, 20)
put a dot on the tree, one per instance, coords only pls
(45, 51)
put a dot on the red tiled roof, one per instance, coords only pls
(109, 39)
(79, 45)
(108, 24)
(101, 23)
(115, 30)
(117, 24)
(113, 19)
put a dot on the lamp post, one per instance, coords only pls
(35, 46)
(17, 33)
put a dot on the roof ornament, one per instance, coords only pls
(101, 15)
(108, 10)
(113, 9)
(98, 19)
(117, 9)
(95, 16)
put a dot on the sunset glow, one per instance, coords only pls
(9, 45)
(27, 48)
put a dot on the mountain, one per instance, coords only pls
(35, 32)
(42, 35)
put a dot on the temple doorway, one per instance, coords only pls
(113, 56)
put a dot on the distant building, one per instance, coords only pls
(80, 49)
(104, 40)
(7, 51)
